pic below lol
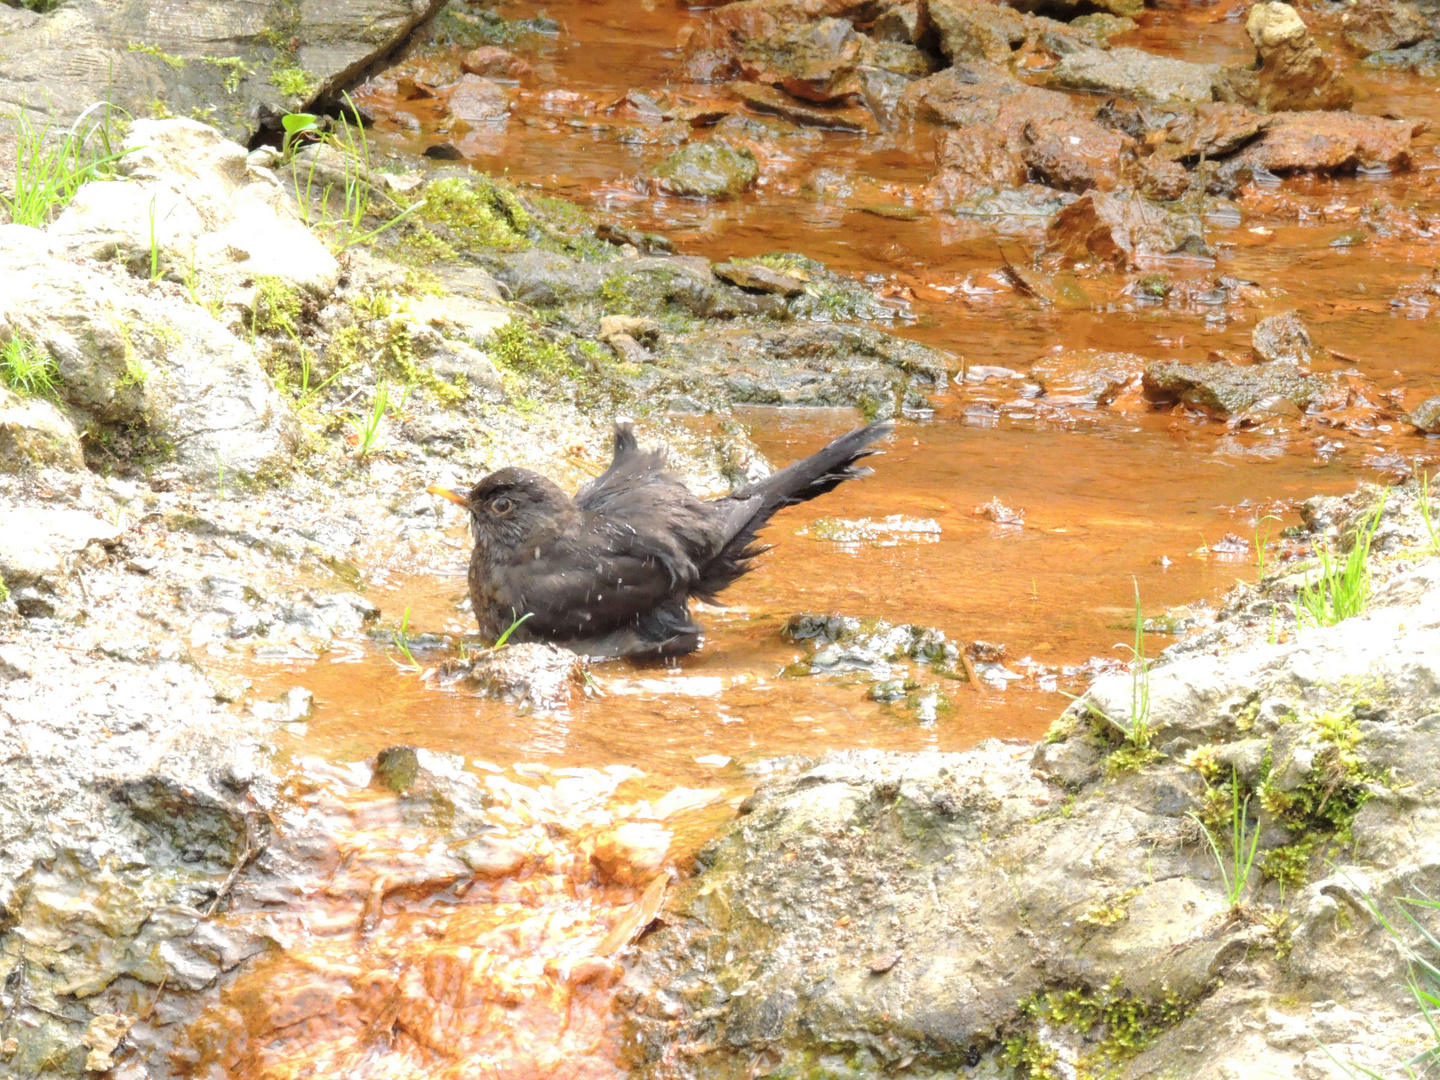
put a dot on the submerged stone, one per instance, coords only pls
(1228, 389)
(707, 170)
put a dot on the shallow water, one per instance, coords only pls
(1113, 501)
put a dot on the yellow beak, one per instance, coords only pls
(453, 494)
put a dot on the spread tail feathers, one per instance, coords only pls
(822, 471)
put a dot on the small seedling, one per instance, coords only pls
(1261, 539)
(154, 243)
(1139, 679)
(401, 639)
(368, 428)
(296, 125)
(1243, 844)
(503, 638)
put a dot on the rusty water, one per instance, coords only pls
(387, 963)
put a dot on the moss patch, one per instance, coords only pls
(1114, 1024)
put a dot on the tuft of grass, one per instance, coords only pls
(1343, 588)
(27, 369)
(49, 171)
(350, 141)
(1243, 844)
(276, 306)
(401, 639)
(1426, 516)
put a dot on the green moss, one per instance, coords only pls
(1113, 911)
(276, 307)
(176, 62)
(478, 213)
(4, 592)
(1337, 786)
(1290, 865)
(1115, 1025)
(518, 346)
(235, 69)
(293, 81)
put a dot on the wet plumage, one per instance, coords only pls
(611, 571)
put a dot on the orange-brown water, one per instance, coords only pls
(471, 977)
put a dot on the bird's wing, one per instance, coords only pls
(629, 467)
(586, 594)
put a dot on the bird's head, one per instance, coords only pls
(509, 504)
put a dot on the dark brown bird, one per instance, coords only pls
(611, 571)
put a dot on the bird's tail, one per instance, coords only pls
(755, 504)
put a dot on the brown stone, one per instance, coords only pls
(1293, 73)
(1376, 25)
(493, 62)
(1332, 142)
(981, 157)
(1078, 155)
(758, 278)
(475, 99)
(768, 99)
(1119, 229)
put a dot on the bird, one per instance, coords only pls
(611, 571)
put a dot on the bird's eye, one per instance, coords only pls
(501, 505)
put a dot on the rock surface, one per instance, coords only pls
(234, 61)
(1045, 892)
(707, 170)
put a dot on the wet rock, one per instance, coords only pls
(216, 219)
(238, 63)
(633, 852)
(34, 434)
(1078, 155)
(978, 157)
(478, 100)
(900, 22)
(542, 677)
(814, 61)
(165, 373)
(769, 100)
(790, 841)
(1426, 416)
(759, 278)
(1120, 229)
(1292, 72)
(707, 170)
(1370, 26)
(974, 30)
(817, 365)
(1087, 376)
(1282, 338)
(1213, 131)
(38, 546)
(971, 94)
(493, 62)
(844, 644)
(397, 768)
(1331, 142)
(1229, 389)
(1134, 73)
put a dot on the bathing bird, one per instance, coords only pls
(611, 571)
